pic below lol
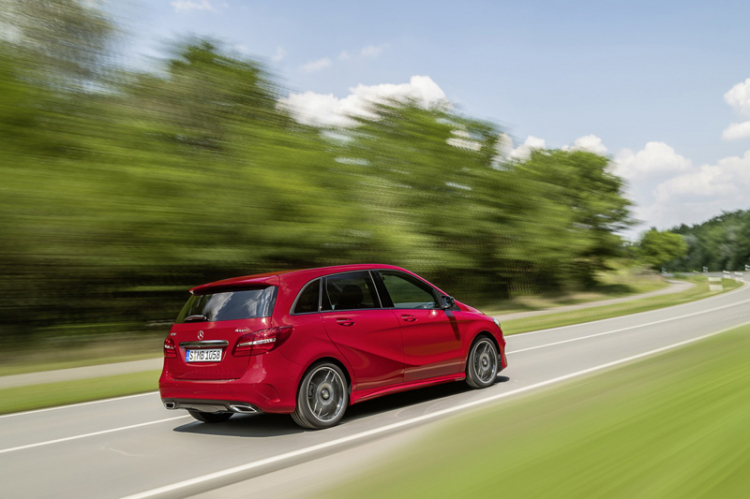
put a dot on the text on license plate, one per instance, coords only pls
(207, 355)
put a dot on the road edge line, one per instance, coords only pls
(426, 417)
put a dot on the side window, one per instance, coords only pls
(308, 299)
(350, 291)
(408, 292)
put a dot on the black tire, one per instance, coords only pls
(322, 397)
(211, 417)
(482, 363)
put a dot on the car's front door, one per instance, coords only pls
(432, 343)
(365, 333)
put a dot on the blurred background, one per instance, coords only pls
(121, 188)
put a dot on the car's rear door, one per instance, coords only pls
(368, 336)
(432, 342)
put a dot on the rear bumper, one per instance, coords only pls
(213, 406)
(268, 385)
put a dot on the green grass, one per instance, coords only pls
(672, 426)
(48, 395)
(34, 367)
(699, 291)
(611, 285)
(24, 398)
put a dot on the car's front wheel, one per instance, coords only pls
(481, 366)
(322, 397)
(211, 417)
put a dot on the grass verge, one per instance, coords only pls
(697, 292)
(24, 398)
(674, 425)
(34, 367)
(617, 284)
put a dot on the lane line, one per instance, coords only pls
(358, 436)
(93, 434)
(79, 404)
(529, 333)
(628, 328)
(743, 287)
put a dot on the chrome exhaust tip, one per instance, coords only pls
(243, 409)
(170, 405)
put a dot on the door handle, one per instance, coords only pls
(345, 322)
(408, 318)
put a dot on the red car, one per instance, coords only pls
(311, 342)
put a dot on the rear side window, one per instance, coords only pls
(229, 305)
(350, 291)
(309, 299)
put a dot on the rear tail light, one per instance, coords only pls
(262, 341)
(169, 350)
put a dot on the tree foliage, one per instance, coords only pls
(721, 243)
(121, 189)
(656, 248)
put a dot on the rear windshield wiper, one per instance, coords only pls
(196, 318)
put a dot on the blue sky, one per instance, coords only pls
(629, 73)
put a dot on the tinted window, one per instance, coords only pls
(308, 299)
(350, 291)
(229, 305)
(407, 291)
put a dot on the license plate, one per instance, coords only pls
(203, 355)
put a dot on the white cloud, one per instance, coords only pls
(739, 97)
(523, 151)
(344, 55)
(737, 131)
(279, 54)
(327, 110)
(656, 159)
(372, 50)
(590, 143)
(190, 5)
(726, 179)
(668, 190)
(317, 65)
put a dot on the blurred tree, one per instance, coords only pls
(656, 248)
(721, 243)
(587, 209)
(121, 190)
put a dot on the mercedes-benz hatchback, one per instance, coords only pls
(311, 342)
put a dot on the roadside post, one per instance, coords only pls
(714, 284)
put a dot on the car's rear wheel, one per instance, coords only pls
(481, 366)
(211, 417)
(322, 397)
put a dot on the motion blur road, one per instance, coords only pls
(132, 446)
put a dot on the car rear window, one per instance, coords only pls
(229, 305)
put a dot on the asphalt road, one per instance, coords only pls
(132, 446)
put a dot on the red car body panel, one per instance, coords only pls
(381, 350)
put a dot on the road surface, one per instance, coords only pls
(131, 446)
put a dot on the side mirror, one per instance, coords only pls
(447, 302)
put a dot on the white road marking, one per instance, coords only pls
(93, 434)
(627, 328)
(340, 441)
(525, 334)
(702, 300)
(112, 399)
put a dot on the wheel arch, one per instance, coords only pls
(332, 360)
(480, 334)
